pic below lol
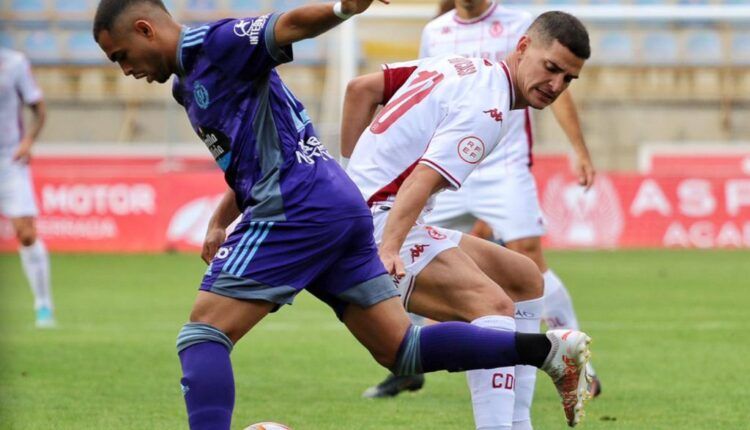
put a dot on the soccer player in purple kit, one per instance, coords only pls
(304, 223)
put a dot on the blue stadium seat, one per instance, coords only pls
(703, 47)
(649, 2)
(615, 47)
(7, 40)
(82, 49)
(202, 6)
(608, 2)
(42, 46)
(75, 6)
(659, 47)
(282, 5)
(28, 6)
(693, 2)
(245, 7)
(740, 50)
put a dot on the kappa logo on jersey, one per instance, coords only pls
(200, 93)
(471, 149)
(496, 29)
(495, 114)
(310, 150)
(250, 29)
(416, 251)
(434, 233)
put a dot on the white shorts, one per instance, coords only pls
(16, 190)
(508, 203)
(422, 245)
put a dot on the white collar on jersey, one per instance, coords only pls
(481, 17)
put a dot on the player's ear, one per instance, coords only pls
(144, 28)
(523, 43)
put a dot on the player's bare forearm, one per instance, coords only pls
(312, 20)
(363, 95)
(565, 112)
(39, 111)
(226, 212)
(422, 183)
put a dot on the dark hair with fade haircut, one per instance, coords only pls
(566, 29)
(109, 10)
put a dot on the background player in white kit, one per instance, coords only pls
(17, 202)
(500, 198)
(442, 116)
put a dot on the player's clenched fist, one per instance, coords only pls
(214, 238)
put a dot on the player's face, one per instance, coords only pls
(544, 72)
(137, 52)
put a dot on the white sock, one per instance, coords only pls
(558, 307)
(492, 395)
(35, 262)
(528, 319)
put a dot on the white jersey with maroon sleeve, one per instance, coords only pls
(17, 87)
(493, 36)
(443, 112)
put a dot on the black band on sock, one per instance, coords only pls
(532, 348)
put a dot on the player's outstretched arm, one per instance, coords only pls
(422, 183)
(39, 112)
(216, 234)
(566, 114)
(312, 20)
(363, 95)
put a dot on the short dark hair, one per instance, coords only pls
(566, 29)
(109, 10)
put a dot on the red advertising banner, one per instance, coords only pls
(152, 205)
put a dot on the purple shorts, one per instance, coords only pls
(336, 261)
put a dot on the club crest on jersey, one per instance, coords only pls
(434, 233)
(496, 29)
(200, 93)
(471, 149)
(495, 114)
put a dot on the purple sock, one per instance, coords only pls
(457, 346)
(208, 385)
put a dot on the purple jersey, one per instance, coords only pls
(256, 130)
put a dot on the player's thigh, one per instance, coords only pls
(532, 248)
(517, 274)
(380, 328)
(452, 287)
(234, 317)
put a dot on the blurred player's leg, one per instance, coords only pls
(35, 262)
(528, 319)
(203, 345)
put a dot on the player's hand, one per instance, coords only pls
(353, 7)
(585, 171)
(392, 262)
(23, 153)
(214, 238)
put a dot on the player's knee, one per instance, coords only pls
(195, 333)
(407, 360)
(26, 236)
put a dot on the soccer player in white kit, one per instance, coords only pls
(442, 117)
(17, 202)
(501, 194)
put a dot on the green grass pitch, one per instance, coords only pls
(670, 333)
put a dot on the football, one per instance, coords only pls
(268, 426)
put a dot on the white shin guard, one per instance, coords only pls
(492, 394)
(528, 320)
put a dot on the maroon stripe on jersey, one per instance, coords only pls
(442, 171)
(510, 84)
(480, 18)
(529, 134)
(391, 189)
(394, 79)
